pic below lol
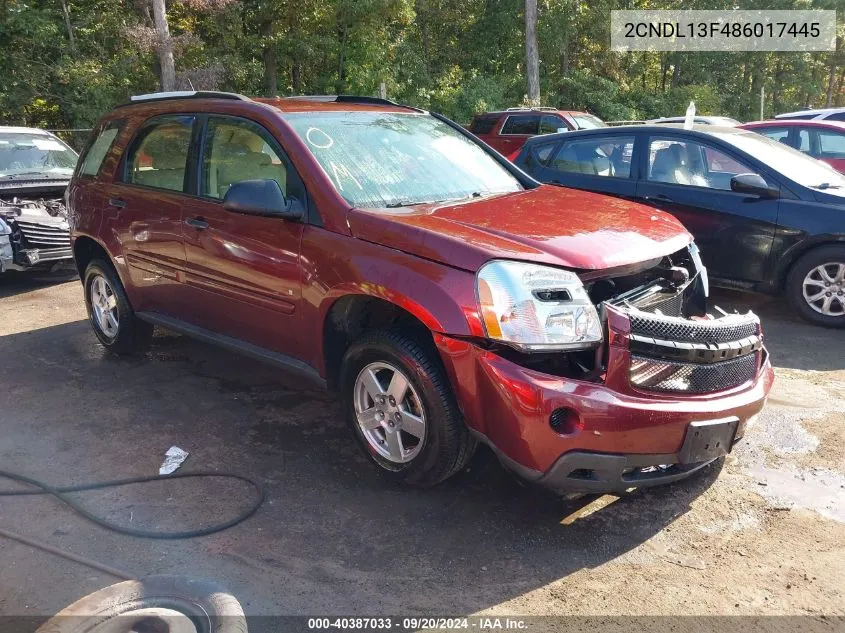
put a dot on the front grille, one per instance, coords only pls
(712, 331)
(38, 235)
(671, 377)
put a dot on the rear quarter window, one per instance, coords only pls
(483, 125)
(96, 153)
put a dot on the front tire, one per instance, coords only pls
(815, 286)
(401, 408)
(114, 322)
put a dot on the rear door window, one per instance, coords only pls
(522, 124)
(158, 156)
(600, 156)
(780, 134)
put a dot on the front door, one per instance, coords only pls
(243, 270)
(692, 181)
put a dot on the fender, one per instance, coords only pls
(791, 255)
(336, 266)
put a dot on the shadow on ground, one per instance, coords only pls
(333, 536)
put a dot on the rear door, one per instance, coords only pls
(516, 129)
(243, 271)
(690, 179)
(142, 210)
(600, 163)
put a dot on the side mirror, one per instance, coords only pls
(754, 185)
(262, 197)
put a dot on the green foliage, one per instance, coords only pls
(454, 56)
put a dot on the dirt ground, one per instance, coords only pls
(766, 535)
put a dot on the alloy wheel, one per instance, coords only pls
(389, 412)
(104, 306)
(824, 289)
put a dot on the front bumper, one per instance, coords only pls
(618, 430)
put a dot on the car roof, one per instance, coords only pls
(698, 117)
(11, 129)
(700, 129)
(316, 103)
(532, 111)
(822, 123)
(818, 112)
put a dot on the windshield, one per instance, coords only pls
(587, 121)
(24, 155)
(382, 159)
(789, 162)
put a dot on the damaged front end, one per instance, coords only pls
(660, 337)
(663, 339)
(34, 231)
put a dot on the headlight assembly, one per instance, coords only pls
(535, 308)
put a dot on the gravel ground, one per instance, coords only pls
(763, 536)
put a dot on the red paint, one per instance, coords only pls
(834, 127)
(273, 283)
(510, 144)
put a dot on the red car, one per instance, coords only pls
(824, 140)
(449, 298)
(506, 131)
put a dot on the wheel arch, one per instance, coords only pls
(796, 252)
(348, 316)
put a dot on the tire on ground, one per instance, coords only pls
(448, 446)
(133, 335)
(831, 254)
(148, 603)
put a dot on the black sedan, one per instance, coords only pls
(766, 217)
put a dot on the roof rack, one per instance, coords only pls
(187, 94)
(528, 108)
(353, 99)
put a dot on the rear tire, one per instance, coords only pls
(417, 437)
(112, 318)
(815, 286)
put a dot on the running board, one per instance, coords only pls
(263, 354)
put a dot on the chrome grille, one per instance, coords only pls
(38, 235)
(713, 331)
(671, 377)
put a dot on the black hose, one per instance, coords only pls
(61, 494)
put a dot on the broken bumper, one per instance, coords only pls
(576, 435)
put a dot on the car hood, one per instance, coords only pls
(547, 224)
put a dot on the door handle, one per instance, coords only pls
(198, 223)
(117, 203)
(660, 197)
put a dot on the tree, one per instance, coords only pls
(532, 55)
(164, 46)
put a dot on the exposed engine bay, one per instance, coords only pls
(34, 231)
(677, 344)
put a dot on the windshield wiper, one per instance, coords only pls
(403, 203)
(826, 185)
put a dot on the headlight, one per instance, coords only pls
(535, 307)
(5, 229)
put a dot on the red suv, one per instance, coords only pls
(448, 297)
(506, 131)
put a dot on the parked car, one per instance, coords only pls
(35, 167)
(448, 297)
(824, 140)
(765, 216)
(824, 114)
(724, 121)
(507, 130)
